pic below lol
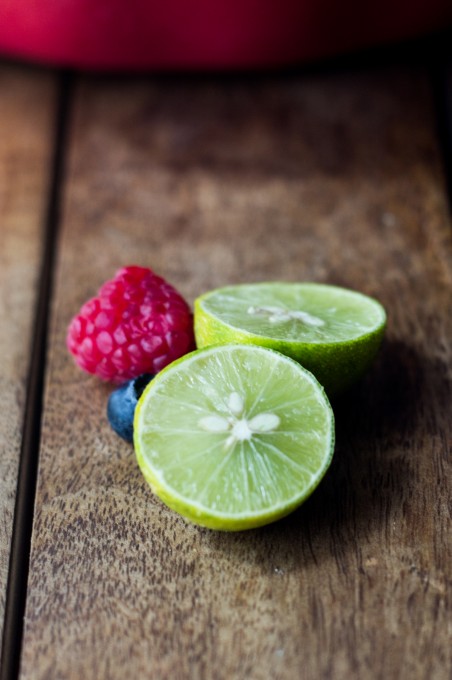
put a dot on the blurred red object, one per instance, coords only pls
(206, 34)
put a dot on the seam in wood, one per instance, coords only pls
(441, 82)
(16, 590)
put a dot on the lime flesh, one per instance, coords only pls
(333, 332)
(234, 437)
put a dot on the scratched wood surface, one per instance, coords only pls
(26, 118)
(331, 177)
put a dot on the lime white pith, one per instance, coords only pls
(333, 332)
(277, 315)
(234, 437)
(236, 425)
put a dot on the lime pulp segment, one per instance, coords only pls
(234, 437)
(334, 332)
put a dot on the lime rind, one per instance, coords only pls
(193, 508)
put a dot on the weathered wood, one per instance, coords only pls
(332, 177)
(26, 118)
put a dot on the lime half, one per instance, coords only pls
(234, 437)
(333, 332)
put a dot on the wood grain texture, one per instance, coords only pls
(26, 117)
(327, 177)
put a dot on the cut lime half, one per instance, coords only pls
(234, 437)
(333, 332)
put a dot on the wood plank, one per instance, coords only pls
(330, 177)
(26, 118)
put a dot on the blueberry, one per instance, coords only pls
(121, 405)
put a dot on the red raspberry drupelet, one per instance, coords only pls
(138, 323)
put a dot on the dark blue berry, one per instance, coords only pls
(121, 405)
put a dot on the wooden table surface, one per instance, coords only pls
(332, 174)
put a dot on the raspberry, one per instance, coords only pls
(138, 323)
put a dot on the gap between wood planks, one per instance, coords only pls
(441, 79)
(28, 466)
